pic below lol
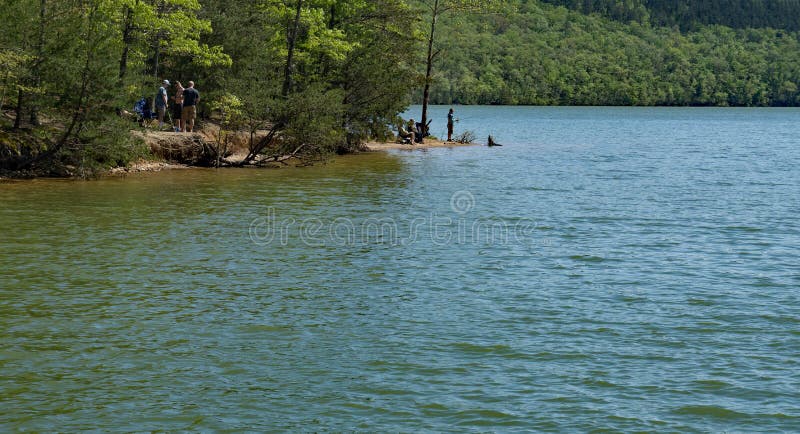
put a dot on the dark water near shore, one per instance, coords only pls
(611, 268)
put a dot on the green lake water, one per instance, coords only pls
(622, 269)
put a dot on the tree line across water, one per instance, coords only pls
(691, 14)
(324, 75)
(548, 55)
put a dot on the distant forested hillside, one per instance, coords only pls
(687, 14)
(552, 55)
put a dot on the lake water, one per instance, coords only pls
(607, 268)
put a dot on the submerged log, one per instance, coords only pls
(491, 142)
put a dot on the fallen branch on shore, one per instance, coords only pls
(216, 150)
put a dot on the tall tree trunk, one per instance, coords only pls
(156, 52)
(426, 93)
(18, 117)
(36, 72)
(127, 39)
(291, 42)
(3, 96)
(79, 111)
(157, 41)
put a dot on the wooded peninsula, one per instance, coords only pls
(315, 77)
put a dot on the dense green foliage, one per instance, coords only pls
(688, 14)
(349, 77)
(319, 75)
(549, 55)
(68, 78)
(323, 75)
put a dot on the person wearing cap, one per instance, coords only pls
(161, 103)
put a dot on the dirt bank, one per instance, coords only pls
(186, 150)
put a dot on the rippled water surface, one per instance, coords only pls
(608, 268)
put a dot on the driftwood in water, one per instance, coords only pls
(491, 142)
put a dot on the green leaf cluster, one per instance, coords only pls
(327, 73)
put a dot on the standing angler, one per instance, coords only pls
(450, 120)
(191, 97)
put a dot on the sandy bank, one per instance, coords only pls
(429, 143)
(166, 145)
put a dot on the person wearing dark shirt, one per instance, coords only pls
(450, 121)
(191, 97)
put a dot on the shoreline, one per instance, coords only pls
(145, 166)
(429, 144)
(161, 143)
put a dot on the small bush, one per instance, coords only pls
(465, 137)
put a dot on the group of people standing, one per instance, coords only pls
(184, 106)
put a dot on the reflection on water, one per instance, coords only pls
(621, 269)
